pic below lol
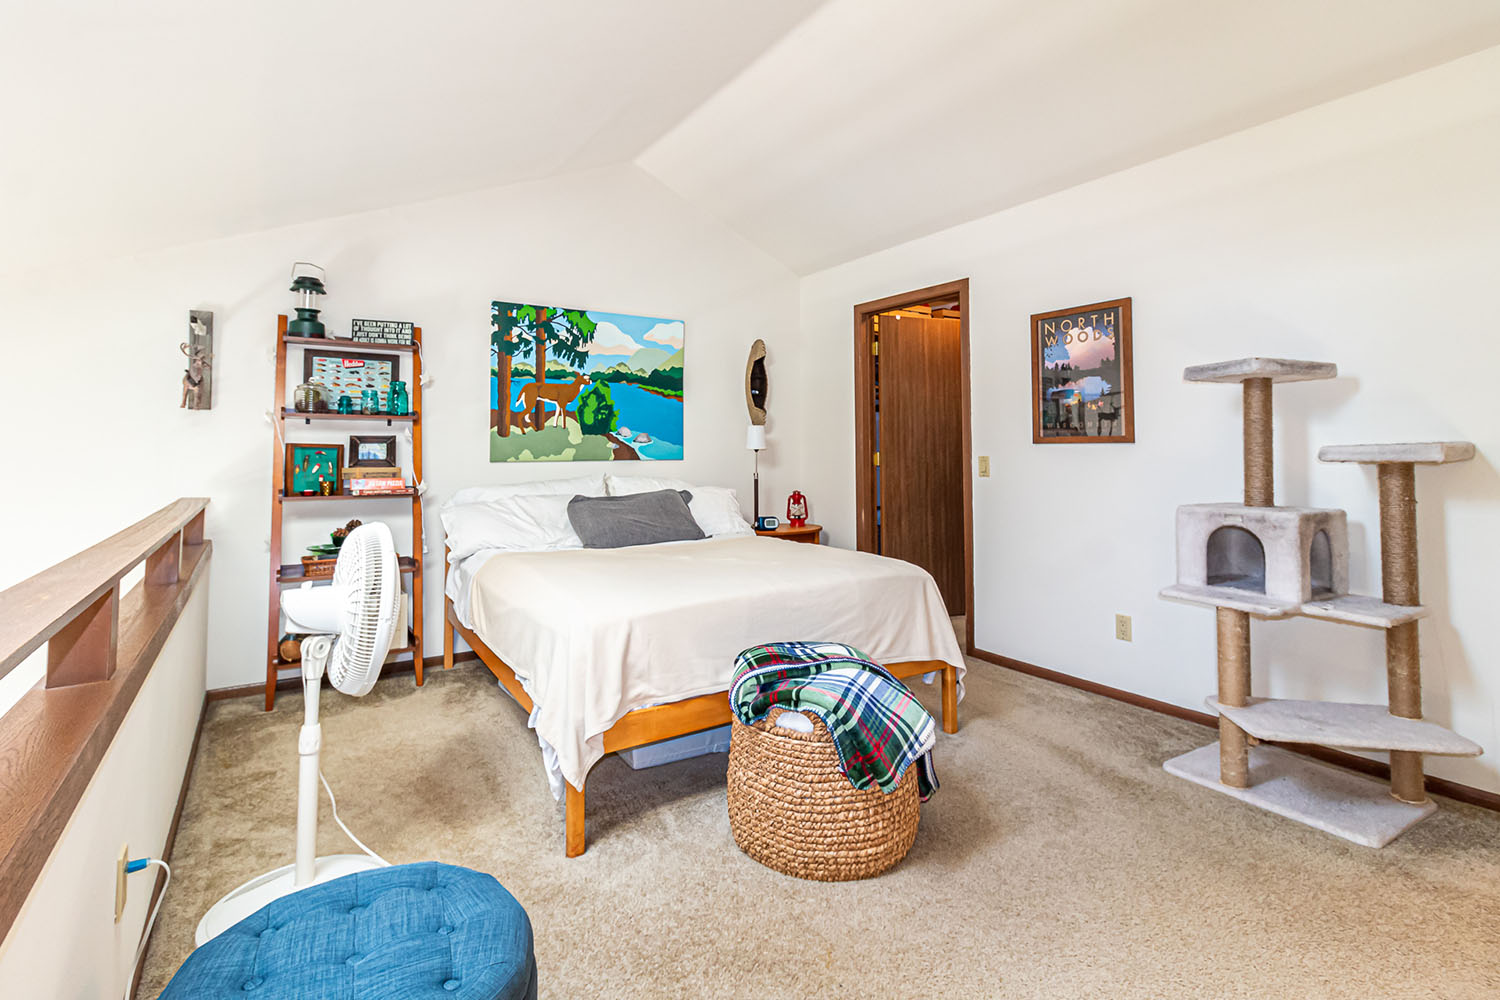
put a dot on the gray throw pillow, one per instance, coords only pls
(636, 519)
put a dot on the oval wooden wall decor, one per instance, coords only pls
(757, 386)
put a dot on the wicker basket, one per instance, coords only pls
(793, 810)
(315, 568)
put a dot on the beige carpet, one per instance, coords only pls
(1057, 861)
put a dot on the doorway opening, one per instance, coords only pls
(913, 487)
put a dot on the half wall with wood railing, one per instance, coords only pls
(101, 645)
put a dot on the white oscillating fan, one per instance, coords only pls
(353, 622)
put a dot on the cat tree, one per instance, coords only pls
(1274, 562)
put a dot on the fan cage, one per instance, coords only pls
(367, 578)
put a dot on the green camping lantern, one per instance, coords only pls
(307, 282)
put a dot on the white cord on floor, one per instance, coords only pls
(150, 921)
(333, 804)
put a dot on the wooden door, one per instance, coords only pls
(919, 434)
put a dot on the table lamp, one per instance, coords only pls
(755, 440)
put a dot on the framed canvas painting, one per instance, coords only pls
(308, 465)
(581, 385)
(1081, 375)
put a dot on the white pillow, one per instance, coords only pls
(620, 486)
(717, 511)
(589, 486)
(536, 523)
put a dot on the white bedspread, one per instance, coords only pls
(596, 633)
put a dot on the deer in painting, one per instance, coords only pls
(561, 393)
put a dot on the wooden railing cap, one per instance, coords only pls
(37, 608)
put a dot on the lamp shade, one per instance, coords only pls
(755, 437)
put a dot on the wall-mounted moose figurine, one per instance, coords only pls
(197, 379)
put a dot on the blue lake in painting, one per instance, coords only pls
(639, 412)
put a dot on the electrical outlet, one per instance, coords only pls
(984, 465)
(1122, 628)
(123, 857)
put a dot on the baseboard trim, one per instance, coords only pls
(293, 683)
(1375, 768)
(166, 851)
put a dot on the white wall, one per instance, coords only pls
(65, 942)
(99, 440)
(1364, 232)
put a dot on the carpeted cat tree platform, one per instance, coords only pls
(1274, 562)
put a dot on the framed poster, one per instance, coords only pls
(583, 385)
(348, 373)
(307, 465)
(1081, 389)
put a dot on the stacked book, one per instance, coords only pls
(365, 481)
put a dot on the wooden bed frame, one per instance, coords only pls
(658, 722)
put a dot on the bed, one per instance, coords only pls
(602, 667)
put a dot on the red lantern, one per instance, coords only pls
(796, 509)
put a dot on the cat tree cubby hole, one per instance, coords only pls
(1236, 559)
(1232, 552)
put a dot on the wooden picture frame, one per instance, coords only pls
(351, 380)
(298, 479)
(358, 443)
(1082, 386)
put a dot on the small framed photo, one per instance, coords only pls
(349, 373)
(367, 450)
(309, 465)
(1081, 390)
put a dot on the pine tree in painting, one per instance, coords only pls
(566, 332)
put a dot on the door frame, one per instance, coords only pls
(864, 425)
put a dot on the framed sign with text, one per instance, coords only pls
(381, 331)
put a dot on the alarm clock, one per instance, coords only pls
(767, 522)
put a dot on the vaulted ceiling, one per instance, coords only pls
(126, 126)
(818, 130)
(877, 121)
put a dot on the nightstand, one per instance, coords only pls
(810, 533)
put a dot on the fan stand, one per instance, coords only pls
(308, 869)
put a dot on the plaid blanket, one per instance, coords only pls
(878, 727)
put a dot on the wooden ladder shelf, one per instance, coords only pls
(288, 418)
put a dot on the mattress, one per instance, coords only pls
(593, 634)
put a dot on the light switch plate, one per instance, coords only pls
(984, 465)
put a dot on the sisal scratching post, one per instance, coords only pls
(1234, 691)
(1234, 626)
(1260, 489)
(1398, 580)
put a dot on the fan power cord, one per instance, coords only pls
(132, 867)
(334, 806)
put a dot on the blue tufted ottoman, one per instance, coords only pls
(423, 930)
